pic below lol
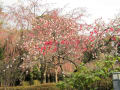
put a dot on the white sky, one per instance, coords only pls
(106, 9)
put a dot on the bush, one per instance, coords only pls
(97, 78)
(61, 85)
(36, 73)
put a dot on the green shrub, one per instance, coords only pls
(61, 85)
(1, 53)
(36, 73)
(97, 78)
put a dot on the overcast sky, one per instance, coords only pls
(106, 9)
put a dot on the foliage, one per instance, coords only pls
(1, 53)
(33, 75)
(36, 73)
(61, 85)
(92, 78)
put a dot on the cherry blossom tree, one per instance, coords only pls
(57, 39)
(54, 39)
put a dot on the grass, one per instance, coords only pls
(47, 86)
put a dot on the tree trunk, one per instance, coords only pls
(44, 81)
(48, 77)
(56, 76)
